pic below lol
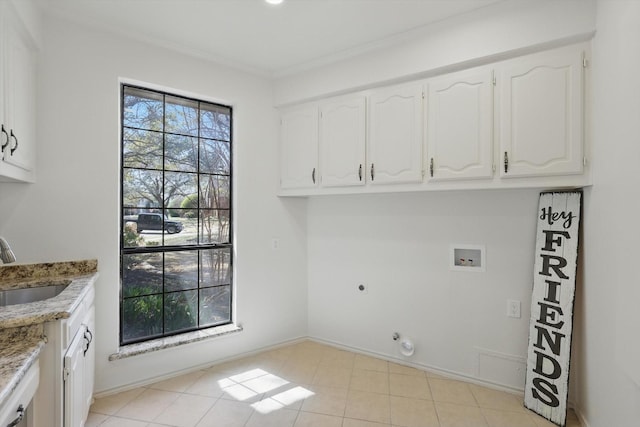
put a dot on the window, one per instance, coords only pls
(176, 248)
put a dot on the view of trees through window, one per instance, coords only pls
(176, 251)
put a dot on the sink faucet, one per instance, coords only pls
(6, 254)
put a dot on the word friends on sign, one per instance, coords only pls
(551, 323)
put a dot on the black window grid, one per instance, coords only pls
(164, 249)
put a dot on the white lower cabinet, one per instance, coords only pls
(17, 407)
(78, 374)
(67, 369)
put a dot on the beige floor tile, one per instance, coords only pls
(435, 375)
(308, 351)
(186, 411)
(291, 396)
(306, 419)
(395, 368)
(409, 386)
(349, 422)
(572, 419)
(109, 405)
(148, 405)
(451, 391)
(326, 400)
(495, 399)
(299, 372)
(539, 421)
(277, 418)
(312, 384)
(179, 383)
(370, 363)
(452, 415)
(240, 393)
(236, 367)
(271, 362)
(226, 413)
(94, 419)
(122, 422)
(337, 358)
(332, 377)
(407, 412)
(209, 384)
(368, 406)
(265, 383)
(373, 381)
(496, 418)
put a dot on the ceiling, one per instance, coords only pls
(262, 38)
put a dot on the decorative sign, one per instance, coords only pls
(554, 284)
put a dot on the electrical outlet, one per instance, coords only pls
(513, 308)
(275, 243)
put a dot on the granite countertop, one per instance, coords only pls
(22, 325)
(19, 349)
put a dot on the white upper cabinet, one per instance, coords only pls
(541, 114)
(17, 98)
(299, 148)
(395, 135)
(342, 141)
(460, 125)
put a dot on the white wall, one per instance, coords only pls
(609, 347)
(488, 34)
(72, 210)
(397, 245)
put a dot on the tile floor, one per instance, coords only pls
(313, 385)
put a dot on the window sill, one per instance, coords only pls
(173, 341)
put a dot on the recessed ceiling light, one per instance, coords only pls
(274, 1)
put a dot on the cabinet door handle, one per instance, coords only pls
(89, 340)
(4, 131)
(15, 147)
(431, 167)
(506, 162)
(372, 172)
(313, 175)
(360, 172)
(20, 416)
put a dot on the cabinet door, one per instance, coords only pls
(342, 142)
(541, 114)
(395, 135)
(299, 149)
(460, 124)
(74, 404)
(21, 99)
(18, 81)
(89, 361)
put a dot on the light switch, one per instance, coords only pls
(513, 308)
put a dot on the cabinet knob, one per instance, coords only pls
(506, 162)
(431, 167)
(372, 172)
(313, 175)
(15, 138)
(360, 172)
(4, 144)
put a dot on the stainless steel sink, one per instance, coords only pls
(25, 295)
